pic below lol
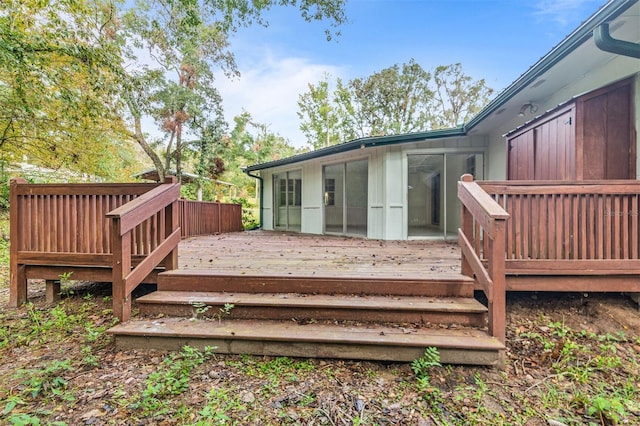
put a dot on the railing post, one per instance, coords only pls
(17, 272)
(171, 224)
(498, 299)
(121, 266)
(466, 223)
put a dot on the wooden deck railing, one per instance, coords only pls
(146, 227)
(57, 229)
(577, 228)
(202, 218)
(482, 237)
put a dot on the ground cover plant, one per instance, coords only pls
(573, 359)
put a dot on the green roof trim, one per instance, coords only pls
(609, 11)
(360, 144)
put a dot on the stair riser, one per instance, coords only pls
(313, 350)
(306, 314)
(306, 285)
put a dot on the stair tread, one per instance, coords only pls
(291, 332)
(338, 301)
(375, 276)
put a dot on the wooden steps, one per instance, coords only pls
(455, 285)
(320, 340)
(305, 307)
(373, 318)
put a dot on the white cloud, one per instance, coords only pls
(561, 11)
(269, 90)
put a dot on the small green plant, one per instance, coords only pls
(609, 410)
(171, 379)
(225, 311)
(199, 309)
(48, 379)
(426, 362)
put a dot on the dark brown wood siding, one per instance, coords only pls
(592, 138)
(544, 150)
(606, 133)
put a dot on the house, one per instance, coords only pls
(572, 115)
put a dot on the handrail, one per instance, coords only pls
(156, 211)
(482, 236)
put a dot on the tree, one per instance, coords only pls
(398, 99)
(458, 97)
(58, 103)
(78, 75)
(251, 143)
(187, 41)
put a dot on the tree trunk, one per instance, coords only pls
(139, 137)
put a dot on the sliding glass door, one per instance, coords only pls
(288, 200)
(345, 198)
(432, 202)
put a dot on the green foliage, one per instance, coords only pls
(58, 86)
(249, 219)
(397, 99)
(221, 402)
(47, 379)
(426, 362)
(171, 379)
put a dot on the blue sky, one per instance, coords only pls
(497, 40)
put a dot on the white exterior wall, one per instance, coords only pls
(376, 225)
(312, 198)
(267, 200)
(395, 184)
(387, 185)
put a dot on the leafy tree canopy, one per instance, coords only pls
(398, 99)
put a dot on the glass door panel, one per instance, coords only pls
(458, 165)
(425, 197)
(287, 200)
(294, 201)
(334, 198)
(357, 179)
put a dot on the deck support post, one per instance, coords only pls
(121, 267)
(466, 223)
(498, 301)
(52, 293)
(172, 222)
(17, 272)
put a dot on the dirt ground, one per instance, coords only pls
(68, 371)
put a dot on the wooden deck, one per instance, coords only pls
(272, 253)
(275, 293)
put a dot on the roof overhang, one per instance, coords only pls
(362, 143)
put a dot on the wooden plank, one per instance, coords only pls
(310, 301)
(481, 274)
(634, 210)
(483, 208)
(150, 262)
(144, 206)
(314, 333)
(210, 281)
(64, 259)
(83, 188)
(573, 267)
(314, 350)
(574, 283)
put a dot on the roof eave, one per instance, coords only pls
(584, 32)
(361, 143)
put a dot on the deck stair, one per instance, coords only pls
(355, 318)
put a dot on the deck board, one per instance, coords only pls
(271, 253)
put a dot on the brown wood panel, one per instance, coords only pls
(586, 283)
